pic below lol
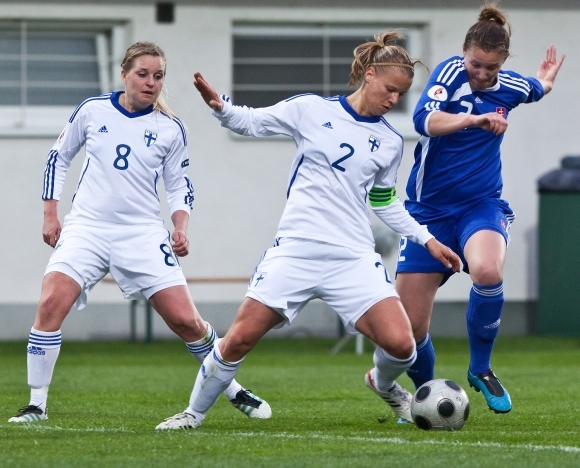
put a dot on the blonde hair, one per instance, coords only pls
(381, 53)
(491, 32)
(148, 48)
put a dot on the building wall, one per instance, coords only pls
(240, 183)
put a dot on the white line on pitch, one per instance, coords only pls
(400, 441)
(284, 435)
(41, 427)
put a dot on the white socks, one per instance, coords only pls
(387, 368)
(201, 348)
(213, 378)
(42, 351)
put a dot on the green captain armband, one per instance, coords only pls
(379, 196)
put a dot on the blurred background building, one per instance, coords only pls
(53, 54)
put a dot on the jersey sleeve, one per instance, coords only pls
(282, 118)
(177, 184)
(384, 202)
(440, 88)
(60, 156)
(537, 91)
(399, 220)
(528, 89)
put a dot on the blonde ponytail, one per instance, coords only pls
(381, 53)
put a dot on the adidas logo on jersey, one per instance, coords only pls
(478, 101)
(103, 129)
(327, 125)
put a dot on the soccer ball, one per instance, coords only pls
(440, 405)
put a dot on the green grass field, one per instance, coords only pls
(107, 398)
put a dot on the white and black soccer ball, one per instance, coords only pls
(440, 405)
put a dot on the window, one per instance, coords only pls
(274, 62)
(46, 69)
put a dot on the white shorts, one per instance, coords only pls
(139, 258)
(298, 270)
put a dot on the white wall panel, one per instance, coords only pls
(240, 185)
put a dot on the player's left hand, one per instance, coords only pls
(209, 94)
(180, 243)
(444, 254)
(549, 68)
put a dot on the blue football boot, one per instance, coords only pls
(497, 397)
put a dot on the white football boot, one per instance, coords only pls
(397, 398)
(179, 421)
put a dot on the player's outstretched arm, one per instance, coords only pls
(209, 94)
(549, 69)
(444, 254)
(51, 227)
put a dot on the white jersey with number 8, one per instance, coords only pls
(126, 155)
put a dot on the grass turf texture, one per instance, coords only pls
(107, 397)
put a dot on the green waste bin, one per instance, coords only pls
(559, 250)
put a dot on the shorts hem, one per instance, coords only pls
(279, 310)
(350, 325)
(504, 234)
(423, 269)
(148, 292)
(66, 269)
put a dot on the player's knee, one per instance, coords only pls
(405, 349)
(50, 314)
(486, 274)
(238, 342)
(402, 347)
(187, 328)
(234, 347)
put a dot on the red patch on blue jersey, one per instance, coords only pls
(503, 225)
(501, 111)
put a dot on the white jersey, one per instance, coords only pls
(343, 159)
(126, 155)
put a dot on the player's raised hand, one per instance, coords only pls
(444, 254)
(549, 68)
(209, 94)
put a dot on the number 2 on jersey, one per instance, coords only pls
(336, 164)
(122, 162)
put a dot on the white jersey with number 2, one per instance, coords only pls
(126, 155)
(343, 162)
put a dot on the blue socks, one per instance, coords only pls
(423, 368)
(483, 319)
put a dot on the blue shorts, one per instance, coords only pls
(452, 227)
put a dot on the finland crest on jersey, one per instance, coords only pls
(149, 137)
(374, 143)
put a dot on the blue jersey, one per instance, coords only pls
(464, 166)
